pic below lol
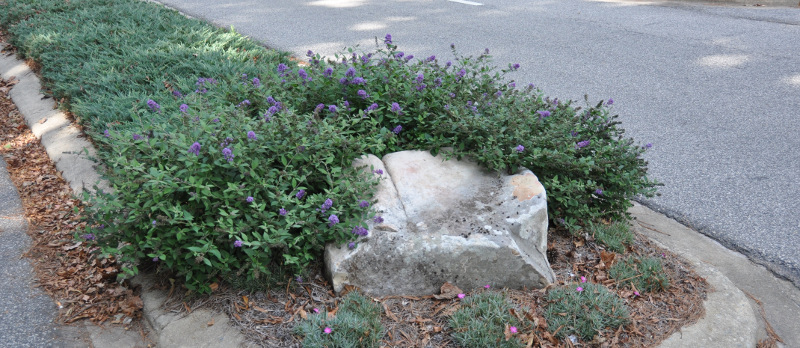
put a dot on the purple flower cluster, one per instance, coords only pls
(300, 194)
(154, 107)
(228, 153)
(282, 212)
(378, 171)
(582, 144)
(328, 72)
(250, 199)
(245, 102)
(363, 204)
(610, 101)
(184, 108)
(237, 244)
(598, 192)
(543, 114)
(106, 133)
(378, 220)
(372, 107)
(88, 236)
(251, 135)
(326, 205)
(137, 137)
(388, 39)
(361, 231)
(256, 82)
(396, 108)
(333, 220)
(177, 93)
(397, 129)
(363, 94)
(282, 68)
(195, 149)
(519, 148)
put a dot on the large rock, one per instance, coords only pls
(446, 221)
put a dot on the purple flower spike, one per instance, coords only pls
(137, 137)
(396, 108)
(251, 135)
(351, 245)
(388, 39)
(303, 74)
(363, 94)
(326, 205)
(195, 149)
(610, 101)
(282, 212)
(88, 236)
(350, 72)
(328, 72)
(237, 244)
(363, 204)
(397, 129)
(582, 144)
(372, 107)
(256, 82)
(153, 105)
(155, 259)
(228, 153)
(333, 220)
(300, 194)
(598, 192)
(378, 219)
(184, 108)
(378, 171)
(519, 148)
(106, 133)
(648, 145)
(282, 67)
(250, 199)
(543, 114)
(332, 109)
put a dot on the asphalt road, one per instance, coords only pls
(715, 89)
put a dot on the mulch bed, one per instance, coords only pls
(85, 286)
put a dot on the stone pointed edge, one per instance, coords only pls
(70, 153)
(60, 139)
(729, 321)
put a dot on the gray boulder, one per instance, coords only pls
(446, 221)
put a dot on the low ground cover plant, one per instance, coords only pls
(487, 319)
(357, 323)
(642, 273)
(584, 309)
(226, 156)
(615, 236)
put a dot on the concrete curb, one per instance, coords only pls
(729, 322)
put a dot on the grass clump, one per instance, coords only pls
(615, 236)
(641, 273)
(585, 310)
(483, 319)
(356, 324)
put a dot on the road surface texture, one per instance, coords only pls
(715, 89)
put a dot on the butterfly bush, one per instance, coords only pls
(290, 147)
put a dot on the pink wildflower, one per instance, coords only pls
(316, 310)
(327, 330)
(583, 279)
(461, 295)
(487, 286)
(512, 329)
(579, 289)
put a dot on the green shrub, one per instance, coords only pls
(214, 190)
(356, 324)
(644, 273)
(584, 309)
(482, 319)
(615, 236)
(322, 116)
